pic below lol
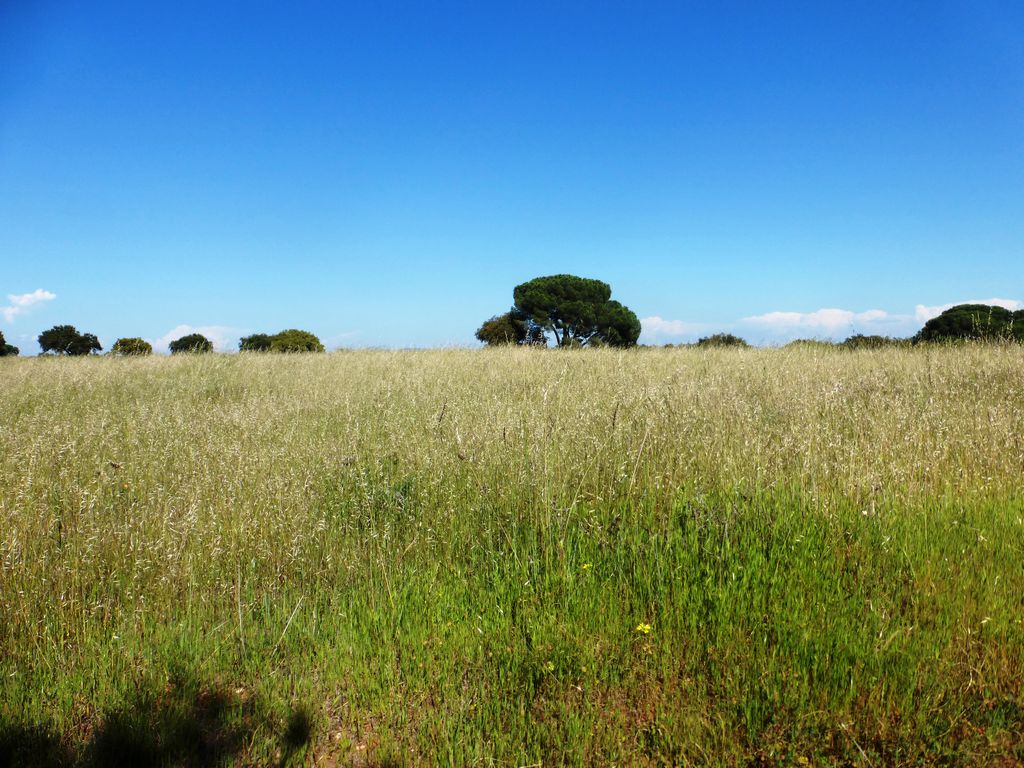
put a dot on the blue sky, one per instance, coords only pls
(383, 174)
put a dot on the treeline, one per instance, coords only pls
(571, 311)
(857, 341)
(66, 340)
(963, 322)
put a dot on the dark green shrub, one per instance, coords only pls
(66, 340)
(294, 340)
(7, 350)
(502, 330)
(809, 344)
(722, 340)
(257, 342)
(192, 343)
(131, 346)
(510, 328)
(860, 341)
(290, 340)
(575, 310)
(973, 321)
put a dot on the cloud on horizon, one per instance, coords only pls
(224, 337)
(656, 329)
(21, 303)
(826, 323)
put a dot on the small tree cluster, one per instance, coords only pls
(130, 347)
(974, 322)
(510, 328)
(722, 340)
(7, 350)
(290, 340)
(576, 311)
(193, 343)
(66, 340)
(860, 341)
(809, 344)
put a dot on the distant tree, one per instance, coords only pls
(192, 343)
(860, 341)
(257, 342)
(131, 346)
(502, 330)
(7, 350)
(58, 339)
(66, 340)
(1018, 325)
(510, 328)
(809, 344)
(971, 321)
(618, 326)
(87, 344)
(576, 310)
(722, 340)
(294, 340)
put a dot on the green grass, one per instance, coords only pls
(447, 557)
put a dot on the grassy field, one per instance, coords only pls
(514, 557)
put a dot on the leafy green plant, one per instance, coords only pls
(576, 310)
(860, 341)
(7, 350)
(190, 344)
(131, 346)
(510, 328)
(973, 322)
(722, 340)
(257, 342)
(66, 340)
(290, 340)
(295, 340)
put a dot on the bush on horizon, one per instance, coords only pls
(132, 346)
(722, 340)
(289, 340)
(7, 350)
(979, 322)
(193, 343)
(66, 340)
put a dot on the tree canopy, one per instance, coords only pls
(861, 341)
(131, 346)
(576, 310)
(722, 340)
(192, 343)
(974, 321)
(66, 340)
(7, 350)
(510, 328)
(295, 340)
(257, 342)
(290, 340)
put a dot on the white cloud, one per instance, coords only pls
(924, 314)
(20, 303)
(827, 321)
(224, 337)
(659, 330)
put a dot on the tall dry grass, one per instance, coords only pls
(444, 556)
